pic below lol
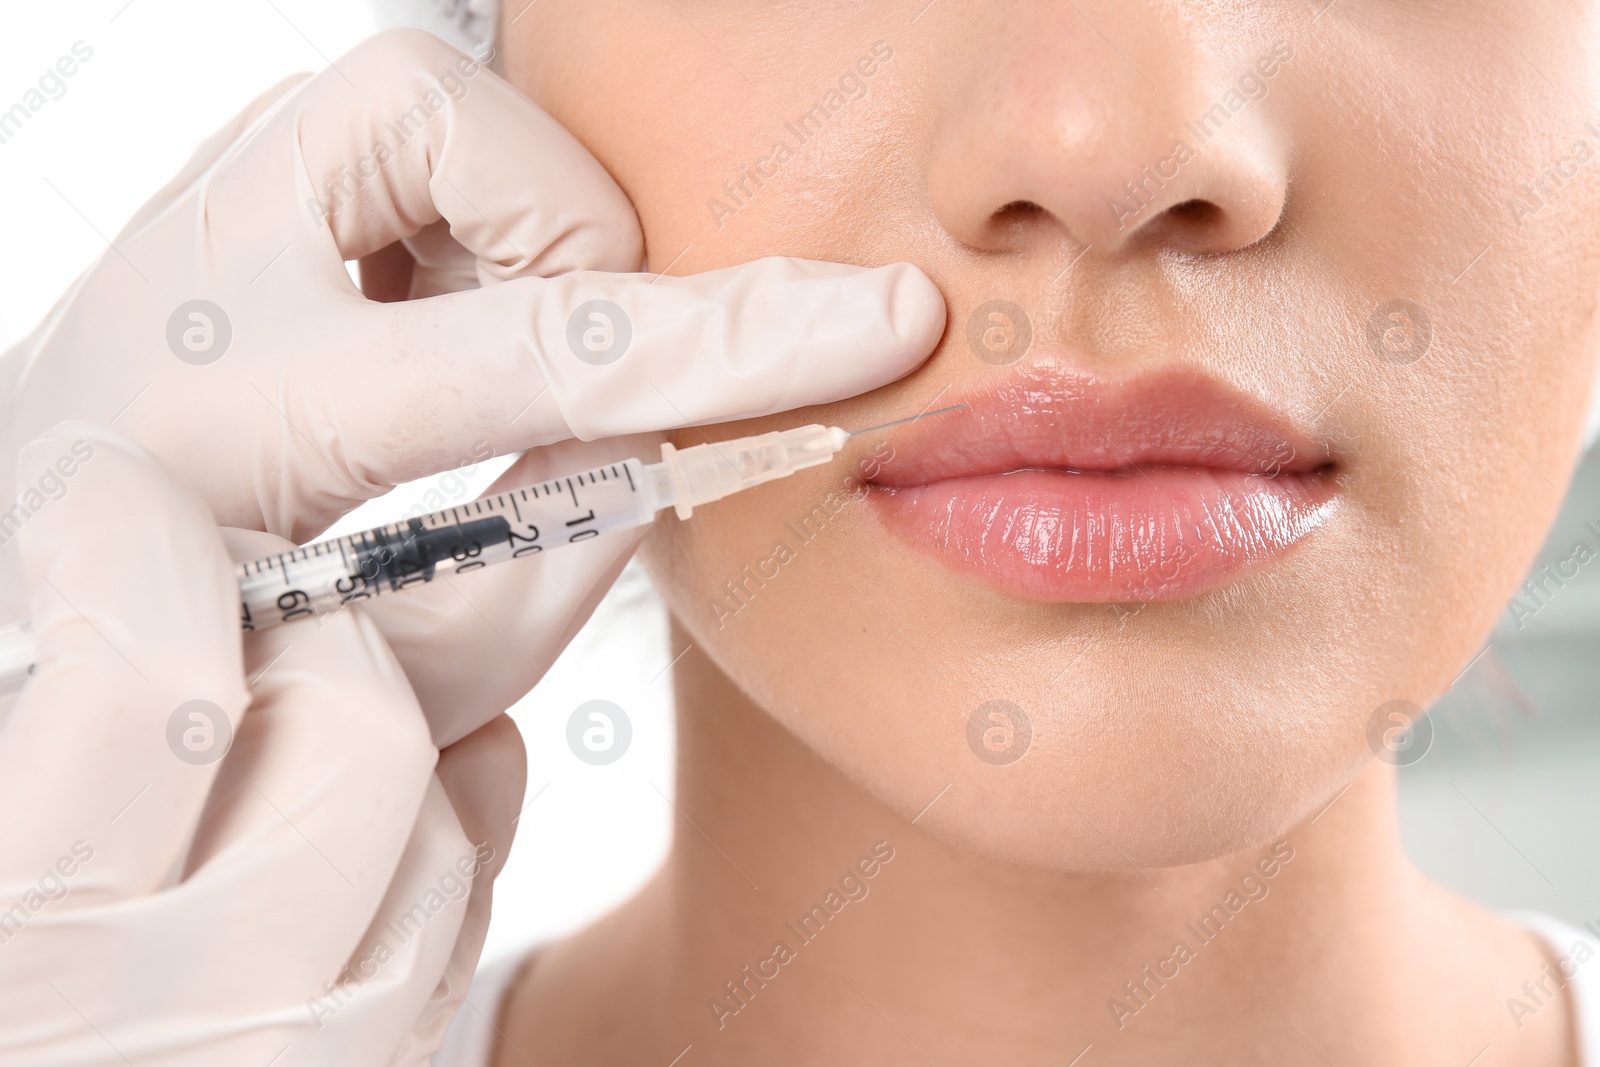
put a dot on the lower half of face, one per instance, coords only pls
(1267, 407)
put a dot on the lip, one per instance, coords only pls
(1052, 485)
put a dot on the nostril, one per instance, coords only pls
(1007, 229)
(1018, 207)
(1017, 214)
(1196, 213)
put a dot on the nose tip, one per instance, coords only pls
(1074, 138)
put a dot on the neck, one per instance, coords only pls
(798, 919)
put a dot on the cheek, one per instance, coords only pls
(718, 165)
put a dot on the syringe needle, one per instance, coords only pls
(908, 418)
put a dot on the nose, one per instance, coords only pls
(1127, 128)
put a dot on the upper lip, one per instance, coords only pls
(1046, 417)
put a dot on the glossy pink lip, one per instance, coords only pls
(1054, 486)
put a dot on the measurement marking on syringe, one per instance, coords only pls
(629, 472)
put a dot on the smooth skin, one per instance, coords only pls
(1174, 742)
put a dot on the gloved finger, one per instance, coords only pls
(395, 971)
(485, 776)
(506, 624)
(320, 791)
(255, 953)
(135, 612)
(428, 382)
(427, 933)
(592, 354)
(459, 371)
(393, 136)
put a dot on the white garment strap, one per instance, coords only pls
(1583, 982)
(470, 1040)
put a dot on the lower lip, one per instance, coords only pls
(1098, 537)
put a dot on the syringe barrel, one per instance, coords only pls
(326, 576)
(687, 478)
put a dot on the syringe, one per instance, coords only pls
(326, 576)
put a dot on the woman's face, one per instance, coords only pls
(1284, 310)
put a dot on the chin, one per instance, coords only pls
(1079, 803)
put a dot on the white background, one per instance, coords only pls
(164, 74)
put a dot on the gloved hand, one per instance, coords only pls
(222, 332)
(161, 903)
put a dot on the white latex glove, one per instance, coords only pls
(321, 399)
(159, 905)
